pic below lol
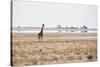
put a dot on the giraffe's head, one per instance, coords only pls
(43, 25)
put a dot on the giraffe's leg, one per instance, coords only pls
(41, 38)
(38, 37)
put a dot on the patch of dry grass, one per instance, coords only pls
(27, 50)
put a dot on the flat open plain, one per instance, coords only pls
(55, 48)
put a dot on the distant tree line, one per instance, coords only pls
(72, 29)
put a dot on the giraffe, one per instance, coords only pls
(40, 34)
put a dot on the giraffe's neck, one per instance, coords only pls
(41, 30)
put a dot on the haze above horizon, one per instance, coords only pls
(34, 14)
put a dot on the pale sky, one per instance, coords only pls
(33, 14)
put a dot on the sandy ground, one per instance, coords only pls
(55, 48)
